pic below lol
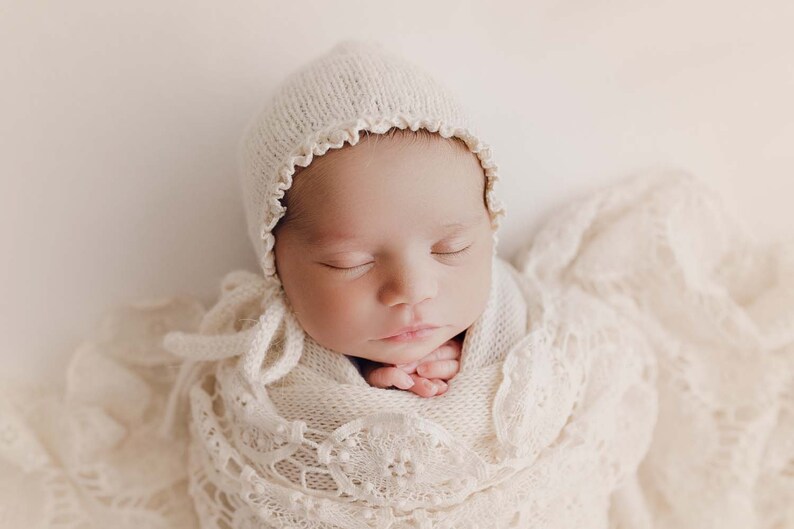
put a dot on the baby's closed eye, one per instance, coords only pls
(451, 253)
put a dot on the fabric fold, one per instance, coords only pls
(635, 368)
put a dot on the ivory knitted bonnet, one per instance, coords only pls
(358, 86)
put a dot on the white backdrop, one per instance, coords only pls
(120, 121)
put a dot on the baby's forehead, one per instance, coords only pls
(393, 149)
(424, 174)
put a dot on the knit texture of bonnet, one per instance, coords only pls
(357, 87)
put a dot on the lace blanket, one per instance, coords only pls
(635, 369)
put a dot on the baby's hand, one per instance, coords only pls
(426, 377)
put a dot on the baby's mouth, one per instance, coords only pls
(411, 334)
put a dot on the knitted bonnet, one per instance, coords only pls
(357, 87)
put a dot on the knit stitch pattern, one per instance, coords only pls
(355, 89)
(621, 376)
(633, 368)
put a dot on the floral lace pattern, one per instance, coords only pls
(636, 369)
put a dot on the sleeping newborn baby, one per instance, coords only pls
(385, 254)
(370, 204)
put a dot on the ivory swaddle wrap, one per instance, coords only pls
(650, 262)
(718, 307)
(553, 406)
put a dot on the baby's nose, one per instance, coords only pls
(409, 287)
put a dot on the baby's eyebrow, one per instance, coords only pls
(462, 224)
(467, 223)
(329, 238)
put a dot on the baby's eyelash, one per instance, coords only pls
(348, 270)
(459, 252)
(355, 269)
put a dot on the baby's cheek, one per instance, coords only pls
(348, 315)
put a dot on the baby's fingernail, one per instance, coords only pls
(407, 381)
(407, 367)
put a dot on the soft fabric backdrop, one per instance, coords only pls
(120, 122)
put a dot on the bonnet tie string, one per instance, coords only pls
(240, 288)
(196, 350)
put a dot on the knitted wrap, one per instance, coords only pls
(636, 369)
(357, 88)
(553, 405)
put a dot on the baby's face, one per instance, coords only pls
(390, 234)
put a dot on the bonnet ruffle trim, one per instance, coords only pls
(336, 136)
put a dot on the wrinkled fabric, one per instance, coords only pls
(634, 367)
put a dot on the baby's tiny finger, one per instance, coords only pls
(385, 377)
(423, 387)
(444, 352)
(444, 369)
(408, 368)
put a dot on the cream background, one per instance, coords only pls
(120, 121)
